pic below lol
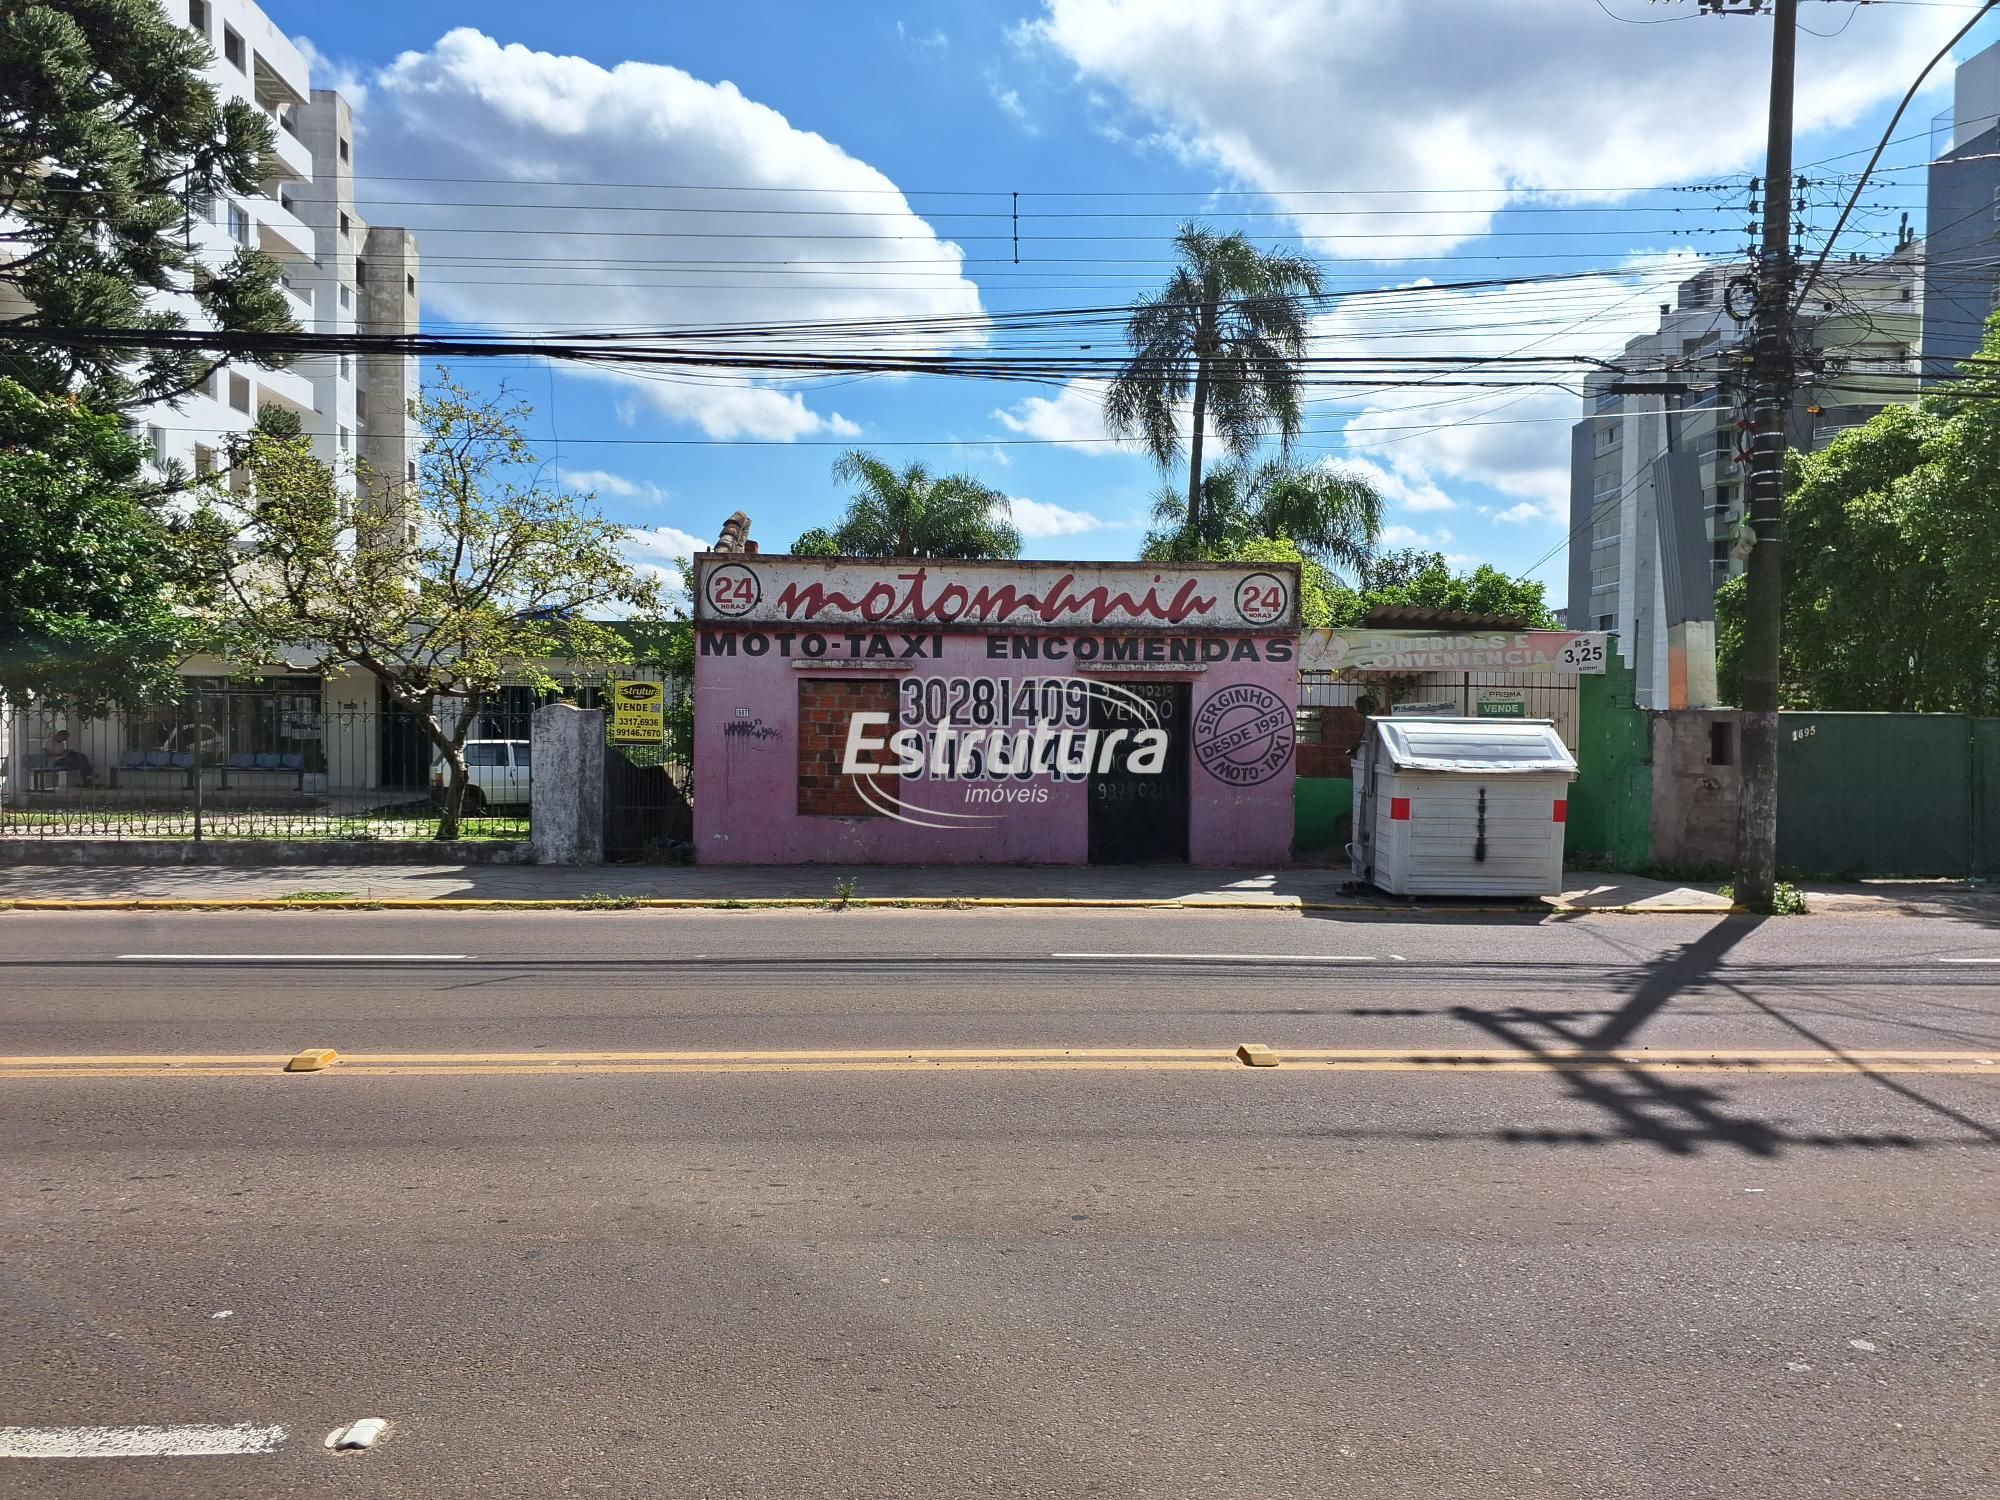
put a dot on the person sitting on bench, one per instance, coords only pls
(62, 758)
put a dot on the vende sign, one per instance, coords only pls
(754, 590)
(1556, 652)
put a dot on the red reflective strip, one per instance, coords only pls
(1399, 809)
(1562, 812)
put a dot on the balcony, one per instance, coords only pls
(298, 296)
(287, 389)
(290, 159)
(280, 233)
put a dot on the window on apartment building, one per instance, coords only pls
(345, 226)
(156, 439)
(1725, 496)
(410, 470)
(1608, 435)
(239, 393)
(360, 408)
(346, 367)
(1719, 549)
(232, 48)
(1607, 622)
(410, 282)
(343, 148)
(1605, 528)
(204, 461)
(346, 297)
(198, 17)
(346, 438)
(1725, 441)
(201, 207)
(360, 271)
(1604, 577)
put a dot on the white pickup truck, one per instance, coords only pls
(497, 774)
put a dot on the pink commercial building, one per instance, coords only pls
(892, 712)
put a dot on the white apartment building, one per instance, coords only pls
(340, 274)
(1654, 526)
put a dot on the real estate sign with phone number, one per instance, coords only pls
(638, 712)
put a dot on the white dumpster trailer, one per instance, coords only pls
(1461, 807)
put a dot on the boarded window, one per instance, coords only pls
(825, 708)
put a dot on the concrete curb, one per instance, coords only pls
(821, 903)
(252, 853)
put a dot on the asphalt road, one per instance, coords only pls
(938, 1204)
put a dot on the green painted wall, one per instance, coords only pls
(1986, 797)
(1611, 800)
(1888, 794)
(1318, 805)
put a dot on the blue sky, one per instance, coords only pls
(1430, 140)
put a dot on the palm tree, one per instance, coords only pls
(1333, 515)
(917, 514)
(1229, 327)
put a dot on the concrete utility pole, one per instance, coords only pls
(1771, 378)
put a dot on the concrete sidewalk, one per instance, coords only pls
(1009, 883)
(1319, 889)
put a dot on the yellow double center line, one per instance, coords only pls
(1002, 1060)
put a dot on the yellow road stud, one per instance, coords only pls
(1256, 1055)
(312, 1060)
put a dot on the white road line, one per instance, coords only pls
(293, 958)
(138, 1442)
(1969, 960)
(1246, 958)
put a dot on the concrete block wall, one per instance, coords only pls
(1697, 782)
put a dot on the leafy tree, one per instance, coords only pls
(1398, 568)
(1227, 331)
(1332, 515)
(87, 571)
(497, 585)
(817, 542)
(1432, 585)
(1892, 598)
(915, 513)
(109, 137)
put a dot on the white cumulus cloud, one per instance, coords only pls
(1298, 97)
(1038, 518)
(1074, 414)
(564, 240)
(602, 484)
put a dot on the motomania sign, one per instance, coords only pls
(758, 590)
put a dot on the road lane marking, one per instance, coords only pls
(1235, 958)
(139, 1442)
(1001, 1059)
(1969, 960)
(290, 958)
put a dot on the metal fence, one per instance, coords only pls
(268, 762)
(1475, 694)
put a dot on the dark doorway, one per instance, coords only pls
(1139, 817)
(404, 749)
(645, 813)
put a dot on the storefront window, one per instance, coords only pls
(228, 721)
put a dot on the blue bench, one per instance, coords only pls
(142, 768)
(247, 769)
